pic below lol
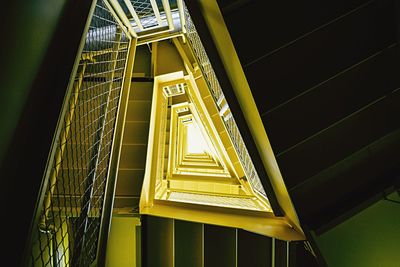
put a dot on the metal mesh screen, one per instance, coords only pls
(145, 12)
(68, 229)
(218, 96)
(214, 200)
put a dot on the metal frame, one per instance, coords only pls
(56, 154)
(283, 228)
(264, 223)
(167, 10)
(156, 11)
(176, 162)
(126, 26)
(182, 15)
(39, 207)
(133, 13)
(120, 15)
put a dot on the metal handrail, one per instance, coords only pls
(75, 205)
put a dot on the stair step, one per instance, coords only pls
(200, 165)
(138, 111)
(205, 179)
(136, 132)
(130, 182)
(133, 156)
(202, 160)
(141, 91)
(126, 202)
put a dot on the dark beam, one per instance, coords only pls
(282, 23)
(232, 6)
(339, 140)
(349, 183)
(319, 56)
(333, 99)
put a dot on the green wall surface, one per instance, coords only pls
(369, 239)
(188, 241)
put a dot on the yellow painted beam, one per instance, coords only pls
(257, 222)
(231, 62)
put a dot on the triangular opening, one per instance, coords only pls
(192, 159)
(191, 150)
(198, 167)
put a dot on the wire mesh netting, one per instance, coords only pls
(145, 12)
(216, 92)
(215, 200)
(68, 229)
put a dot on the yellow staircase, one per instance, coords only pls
(153, 241)
(134, 146)
(135, 135)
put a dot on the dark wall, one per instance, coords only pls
(40, 40)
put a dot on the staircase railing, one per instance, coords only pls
(75, 205)
(223, 107)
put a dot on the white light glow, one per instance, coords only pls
(195, 141)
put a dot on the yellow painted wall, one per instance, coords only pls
(168, 59)
(121, 247)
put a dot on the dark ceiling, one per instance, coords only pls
(325, 77)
